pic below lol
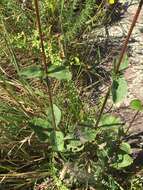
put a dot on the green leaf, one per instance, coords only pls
(59, 72)
(119, 90)
(57, 113)
(109, 122)
(40, 122)
(136, 105)
(57, 140)
(87, 134)
(41, 127)
(32, 72)
(75, 146)
(125, 63)
(77, 61)
(43, 135)
(126, 147)
(123, 161)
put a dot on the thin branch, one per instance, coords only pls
(45, 65)
(128, 36)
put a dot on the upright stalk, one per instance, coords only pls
(132, 121)
(128, 36)
(123, 50)
(45, 65)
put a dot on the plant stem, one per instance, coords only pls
(128, 36)
(45, 65)
(120, 58)
(133, 119)
(103, 107)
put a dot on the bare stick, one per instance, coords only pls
(45, 65)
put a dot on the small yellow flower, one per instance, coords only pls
(111, 2)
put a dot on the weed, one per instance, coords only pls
(50, 137)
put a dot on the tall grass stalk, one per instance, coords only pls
(45, 65)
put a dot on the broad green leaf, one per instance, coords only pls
(126, 147)
(119, 90)
(109, 122)
(32, 72)
(57, 114)
(57, 140)
(125, 63)
(136, 105)
(75, 146)
(41, 127)
(86, 134)
(40, 122)
(89, 134)
(43, 135)
(69, 136)
(59, 72)
(123, 161)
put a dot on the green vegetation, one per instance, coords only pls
(52, 137)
